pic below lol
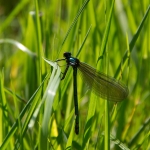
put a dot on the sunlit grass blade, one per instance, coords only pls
(18, 45)
(47, 92)
(48, 97)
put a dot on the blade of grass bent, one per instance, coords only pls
(47, 92)
(48, 97)
(18, 45)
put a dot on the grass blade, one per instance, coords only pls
(48, 97)
(19, 46)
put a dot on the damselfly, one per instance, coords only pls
(101, 84)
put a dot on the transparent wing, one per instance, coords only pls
(102, 85)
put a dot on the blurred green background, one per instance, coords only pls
(43, 27)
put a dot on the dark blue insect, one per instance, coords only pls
(101, 84)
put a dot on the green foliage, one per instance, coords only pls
(36, 113)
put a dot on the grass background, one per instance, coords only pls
(101, 35)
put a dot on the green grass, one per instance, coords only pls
(36, 108)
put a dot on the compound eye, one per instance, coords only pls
(67, 54)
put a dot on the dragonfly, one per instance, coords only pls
(101, 84)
